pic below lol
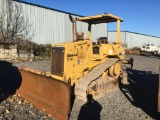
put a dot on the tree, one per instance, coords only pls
(14, 25)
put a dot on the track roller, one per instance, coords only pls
(115, 69)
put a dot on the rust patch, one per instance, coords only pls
(81, 54)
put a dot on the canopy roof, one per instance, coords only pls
(102, 18)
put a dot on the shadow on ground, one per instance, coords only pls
(10, 79)
(91, 110)
(151, 56)
(143, 89)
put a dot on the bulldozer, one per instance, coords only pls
(81, 68)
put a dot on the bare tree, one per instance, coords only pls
(14, 25)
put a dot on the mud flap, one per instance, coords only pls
(46, 93)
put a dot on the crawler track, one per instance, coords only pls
(83, 83)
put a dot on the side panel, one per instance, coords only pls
(46, 93)
(112, 50)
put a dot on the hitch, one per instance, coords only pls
(130, 61)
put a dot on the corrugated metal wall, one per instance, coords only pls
(55, 27)
(131, 39)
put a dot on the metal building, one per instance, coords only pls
(132, 39)
(53, 26)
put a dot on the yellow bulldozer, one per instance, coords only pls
(79, 68)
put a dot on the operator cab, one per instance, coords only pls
(101, 40)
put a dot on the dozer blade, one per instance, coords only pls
(45, 92)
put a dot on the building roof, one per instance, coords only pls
(28, 3)
(137, 33)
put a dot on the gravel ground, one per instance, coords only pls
(13, 107)
(136, 101)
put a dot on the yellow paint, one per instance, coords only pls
(117, 69)
(118, 31)
(101, 16)
(105, 74)
(78, 56)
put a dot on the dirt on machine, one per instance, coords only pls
(81, 68)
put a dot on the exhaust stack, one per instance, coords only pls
(74, 29)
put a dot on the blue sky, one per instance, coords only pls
(141, 16)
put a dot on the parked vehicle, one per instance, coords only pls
(149, 48)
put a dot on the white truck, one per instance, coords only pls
(149, 48)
